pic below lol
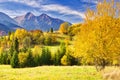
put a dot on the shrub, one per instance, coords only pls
(4, 58)
(48, 40)
(65, 61)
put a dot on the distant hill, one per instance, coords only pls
(43, 22)
(7, 24)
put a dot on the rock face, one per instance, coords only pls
(43, 22)
(7, 24)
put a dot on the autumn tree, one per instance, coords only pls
(35, 36)
(64, 27)
(99, 37)
(20, 34)
(27, 42)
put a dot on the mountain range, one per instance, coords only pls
(29, 22)
(44, 22)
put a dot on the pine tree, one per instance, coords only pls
(16, 45)
(46, 56)
(51, 30)
(15, 61)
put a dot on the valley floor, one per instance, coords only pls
(50, 73)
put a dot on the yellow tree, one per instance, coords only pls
(20, 34)
(64, 27)
(99, 38)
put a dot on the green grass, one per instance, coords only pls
(49, 73)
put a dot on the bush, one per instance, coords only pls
(65, 61)
(22, 59)
(4, 58)
(48, 40)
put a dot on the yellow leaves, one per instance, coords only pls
(106, 8)
(1, 50)
(89, 15)
(99, 36)
(20, 33)
(12, 37)
(37, 50)
(64, 27)
(65, 61)
(22, 57)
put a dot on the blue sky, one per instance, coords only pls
(68, 10)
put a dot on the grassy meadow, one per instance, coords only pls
(50, 73)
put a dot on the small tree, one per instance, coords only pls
(51, 30)
(59, 54)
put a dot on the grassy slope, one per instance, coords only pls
(49, 73)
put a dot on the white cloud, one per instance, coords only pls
(62, 9)
(50, 7)
(91, 1)
(33, 3)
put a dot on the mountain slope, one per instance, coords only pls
(7, 24)
(5, 18)
(43, 22)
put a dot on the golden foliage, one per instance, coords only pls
(64, 27)
(99, 36)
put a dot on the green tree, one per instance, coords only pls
(59, 54)
(16, 45)
(30, 60)
(15, 61)
(46, 56)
